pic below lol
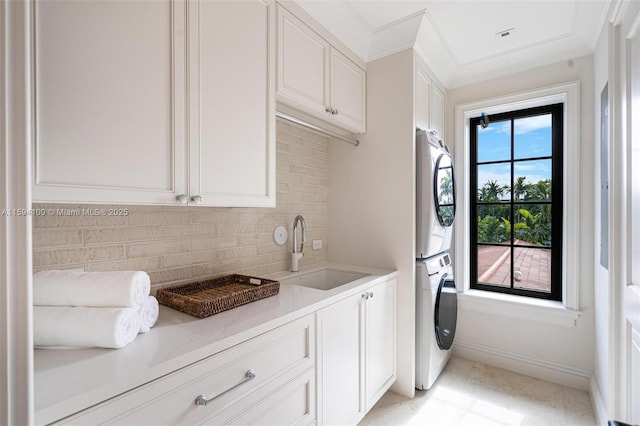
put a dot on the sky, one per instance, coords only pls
(532, 139)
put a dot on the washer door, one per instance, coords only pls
(446, 312)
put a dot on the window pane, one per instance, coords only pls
(532, 224)
(494, 224)
(494, 265)
(494, 142)
(532, 269)
(532, 137)
(532, 180)
(494, 182)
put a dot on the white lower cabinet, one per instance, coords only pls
(356, 353)
(380, 337)
(281, 364)
(292, 404)
(341, 362)
(327, 368)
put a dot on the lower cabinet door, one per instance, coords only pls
(381, 341)
(340, 329)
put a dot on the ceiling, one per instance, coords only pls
(466, 41)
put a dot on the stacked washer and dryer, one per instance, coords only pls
(436, 309)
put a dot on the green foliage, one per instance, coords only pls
(531, 224)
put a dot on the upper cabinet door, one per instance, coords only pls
(303, 64)
(348, 92)
(232, 103)
(423, 96)
(437, 111)
(109, 101)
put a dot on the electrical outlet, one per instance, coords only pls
(317, 244)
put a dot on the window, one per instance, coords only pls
(516, 202)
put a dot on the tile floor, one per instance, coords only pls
(475, 394)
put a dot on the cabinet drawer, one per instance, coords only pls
(292, 404)
(284, 352)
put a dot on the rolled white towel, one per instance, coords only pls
(84, 327)
(148, 313)
(103, 289)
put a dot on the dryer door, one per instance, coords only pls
(444, 190)
(446, 312)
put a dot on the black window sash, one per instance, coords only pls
(556, 201)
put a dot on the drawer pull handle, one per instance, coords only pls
(249, 375)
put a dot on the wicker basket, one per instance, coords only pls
(205, 298)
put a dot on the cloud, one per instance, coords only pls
(499, 127)
(501, 177)
(529, 124)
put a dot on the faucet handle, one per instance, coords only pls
(295, 258)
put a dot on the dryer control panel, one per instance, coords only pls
(436, 264)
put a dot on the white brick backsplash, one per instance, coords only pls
(121, 235)
(57, 238)
(190, 243)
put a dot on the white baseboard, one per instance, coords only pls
(524, 364)
(597, 402)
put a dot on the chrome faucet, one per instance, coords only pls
(295, 254)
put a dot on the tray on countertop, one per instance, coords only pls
(208, 297)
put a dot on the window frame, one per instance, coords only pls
(567, 312)
(556, 110)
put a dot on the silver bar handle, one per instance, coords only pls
(248, 376)
(316, 128)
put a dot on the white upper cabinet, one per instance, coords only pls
(429, 102)
(437, 111)
(107, 128)
(118, 120)
(348, 88)
(303, 64)
(232, 103)
(422, 99)
(316, 78)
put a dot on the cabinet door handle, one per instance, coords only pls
(371, 294)
(365, 296)
(196, 199)
(182, 198)
(334, 112)
(329, 110)
(249, 375)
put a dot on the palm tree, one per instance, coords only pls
(539, 191)
(520, 188)
(491, 191)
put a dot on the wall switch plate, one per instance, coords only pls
(316, 244)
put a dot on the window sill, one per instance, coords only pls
(524, 308)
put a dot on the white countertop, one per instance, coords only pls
(67, 381)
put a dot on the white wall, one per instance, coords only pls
(16, 347)
(557, 353)
(601, 275)
(372, 192)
